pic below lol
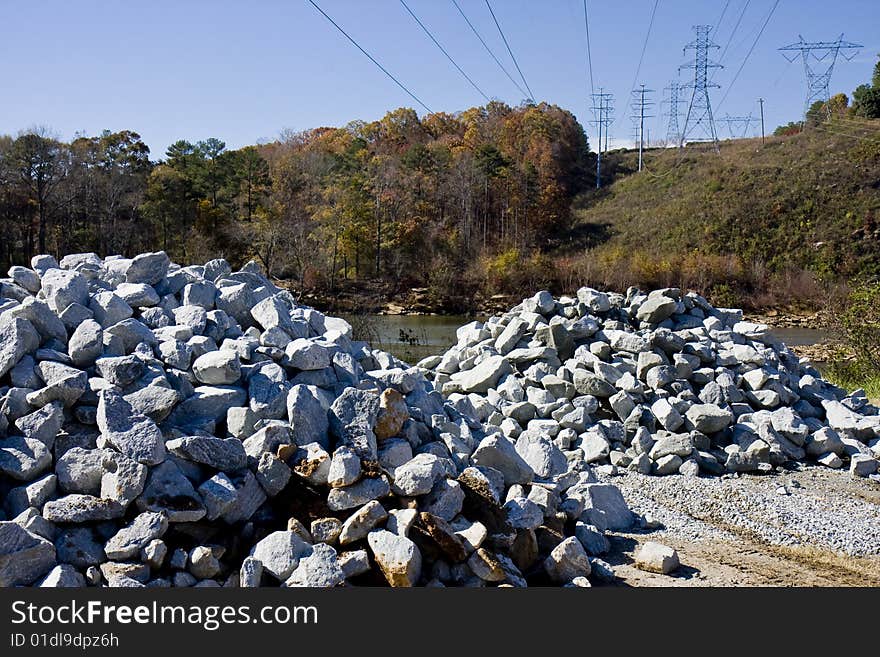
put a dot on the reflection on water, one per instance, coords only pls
(799, 336)
(413, 337)
(408, 337)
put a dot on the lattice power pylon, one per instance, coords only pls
(699, 124)
(819, 58)
(639, 104)
(673, 132)
(738, 126)
(603, 111)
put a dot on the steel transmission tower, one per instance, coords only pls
(819, 59)
(602, 110)
(699, 120)
(639, 105)
(673, 132)
(738, 126)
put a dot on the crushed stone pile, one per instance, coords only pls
(194, 426)
(659, 383)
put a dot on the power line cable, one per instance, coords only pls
(859, 131)
(488, 49)
(371, 58)
(824, 129)
(747, 37)
(784, 71)
(749, 53)
(732, 34)
(846, 130)
(865, 123)
(723, 12)
(589, 53)
(443, 50)
(510, 52)
(645, 44)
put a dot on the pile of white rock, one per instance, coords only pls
(193, 426)
(659, 383)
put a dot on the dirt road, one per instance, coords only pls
(806, 527)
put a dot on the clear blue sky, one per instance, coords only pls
(243, 71)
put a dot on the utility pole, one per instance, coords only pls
(761, 103)
(823, 54)
(639, 104)
(602, 111)
(699, 114)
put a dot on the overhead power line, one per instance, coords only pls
(509, 51)
(721, 18)
(824, 128)
(848, 129)
(868, 123)
(489, 50)
(783, 74)
(749, 53)
(645, 44)
(732, 34)
(443, 50)
(589, 53)
(371, 58)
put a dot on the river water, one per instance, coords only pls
(409, 337)
(412, 337)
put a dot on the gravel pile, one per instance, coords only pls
(194, 426)
(801, 508)
(659, 383)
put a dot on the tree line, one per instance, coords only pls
(400, 200)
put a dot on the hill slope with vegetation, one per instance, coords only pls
(786, 222)
(754, 224)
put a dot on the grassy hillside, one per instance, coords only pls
(778, 224)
